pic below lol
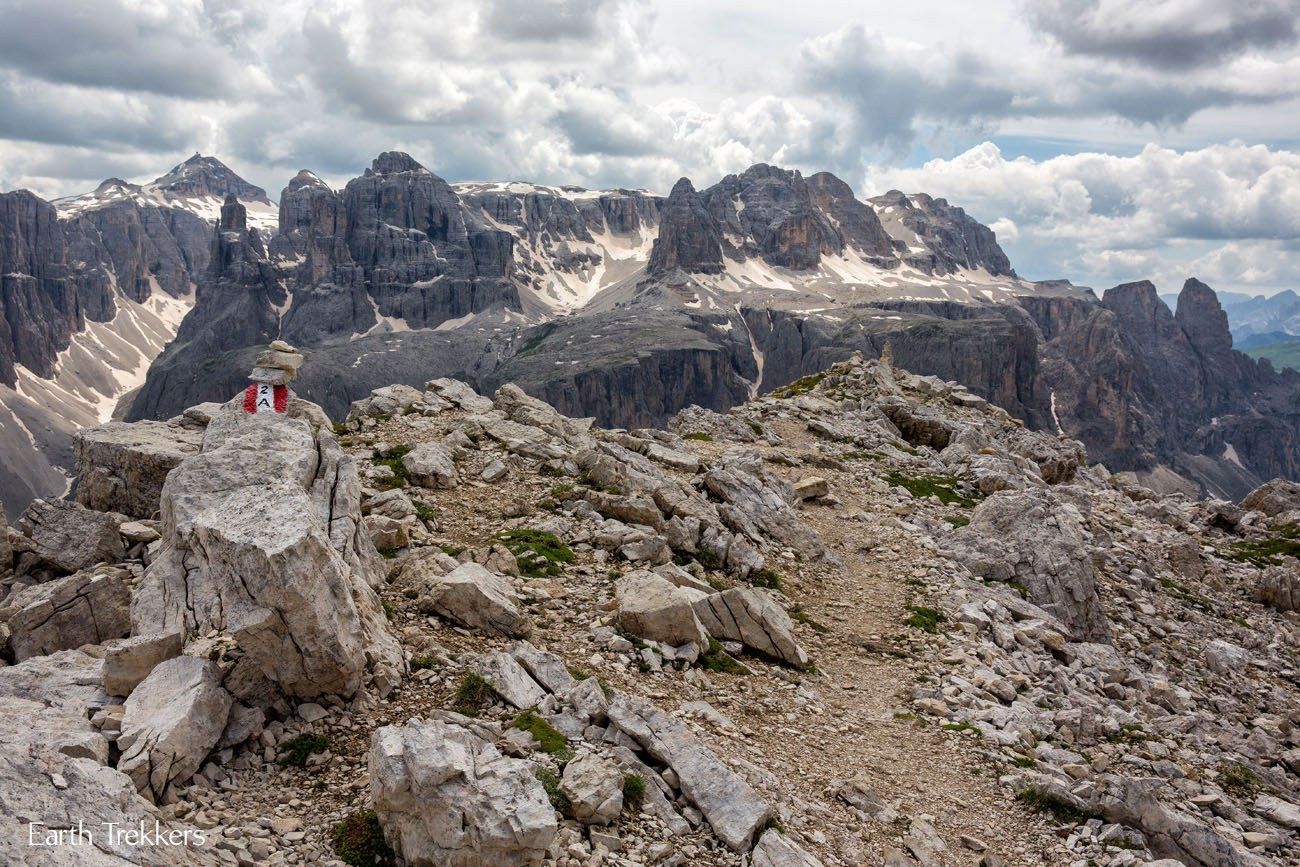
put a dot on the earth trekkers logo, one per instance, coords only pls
(111, 835)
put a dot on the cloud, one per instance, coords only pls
(1102, 216)
(1166, 34)
(138, 46)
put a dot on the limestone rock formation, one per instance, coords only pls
(173, 719)
(649, 606)
(70, 537)
(754, 619)
(445, 797)
(263, 541)
(122, 467)
(88, 607)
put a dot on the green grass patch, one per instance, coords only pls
(548, 739)
(765, 577)
(425, 513)
(800, 386)
(755, 427)
(943, 487)
(387, 553)
(924, 618)
(551, 784)
(473, 694)
(452, 550)
(390, 610)
(540, 554)
(359, 841)
(633, 791)
(301, 748)
(420, 663)
(1268, 551)
(340, 428)
(958, 727)
(957, 521)
(717, 659)
(699, 437)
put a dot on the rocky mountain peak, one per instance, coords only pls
(857, 222)
(391, 162)
(305, 178)
(1202, 317)
(206, 177)
(688, 235)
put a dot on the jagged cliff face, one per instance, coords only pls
(93, 287)
(620, 304)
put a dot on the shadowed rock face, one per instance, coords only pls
(688, 237)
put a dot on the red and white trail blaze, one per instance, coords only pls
(260, 397)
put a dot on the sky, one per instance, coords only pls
(1103, 140)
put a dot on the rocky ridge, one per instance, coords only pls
(870, 617)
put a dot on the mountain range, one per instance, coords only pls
(618, 304)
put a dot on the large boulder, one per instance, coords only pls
(1279, 586)
(594, 787)
(122, 467)
(760, 504)
(1274, 498)
(430, 465)
(170, 723)
(88, 607)
(385, 401)
(474, 597)
(52, 776)
(69, 537)
(775, 849)
(447, 798)
(754, 619)
(1035, 540)
(733, 809)
(650, 606)
(263, 542)
(128, 661)
(69, 678)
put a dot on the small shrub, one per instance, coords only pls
(1239, 781)
(548, 739)
(633, 791)
(359, 841)
(420, 663)
(1043, 802)
(390, 610)
(473, 694)
(540, 554)
(957, 521)
(387, 553)
(340, 428)
(924, 618)
(755, 427)
(301, 748)
(425, 513)
(798, 614)
(765, 577)
(699, 436)
(717, 659)
(452, 550)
